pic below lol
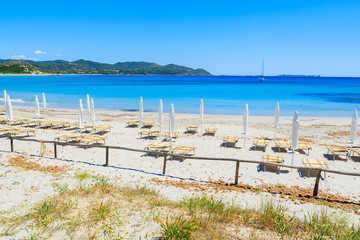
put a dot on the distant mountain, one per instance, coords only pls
(82, 66)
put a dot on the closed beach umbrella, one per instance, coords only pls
(44, 101)
(9, 111)
(5, 98)
(295, 134)
(201, 110)
(37, 107)
(160, 115)
(353, 129)
(92, 108)
(171, 121)
(277, 116)
(201, 113)
(141, 108)
(81, 115)
(88, 107)
(245, 121)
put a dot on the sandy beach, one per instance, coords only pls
(134, 168)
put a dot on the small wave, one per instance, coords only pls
(15, 100)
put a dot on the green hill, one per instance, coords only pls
(82, 66)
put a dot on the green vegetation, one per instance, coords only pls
(99, 209)
(89, 67)
(16, 69)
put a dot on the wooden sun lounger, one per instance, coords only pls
(149, 133)
(159, 147)
(282, 144)
(133, 123)
(304, 146)
(30, 122)
(210, 131)
(45, 124)
(148, 124)
(92, 139)
(355, 150)
(230, 140)
(7, 129)
(176, 134)
(183, 151)
(19, 120)
(192, 129)
(338, 151)
(68, 125)
(272, 159)
(314, 163)
(2, 111)
(20, 131)
(69, 137)
(261, 143)
(3, 120)
(102, 128)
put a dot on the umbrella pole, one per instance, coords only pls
(275, 132)
(200, 128)
(244, 139)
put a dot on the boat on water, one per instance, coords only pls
(261, 78)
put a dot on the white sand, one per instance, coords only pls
(137, 168)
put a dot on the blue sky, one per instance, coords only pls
(223, 37)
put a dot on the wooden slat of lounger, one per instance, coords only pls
(167, 134)
(69, 136)
(337, 149)
(102, 127)
(314, 163)
(282, 144)
(183, 150)
(273, 159)
(231, 139)
(159, 145)
(211, 129)
(356, 150)
(133, 122)
(304, 145)
(261, 142)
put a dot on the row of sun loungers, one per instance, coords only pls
(14, 131)
(77, 137)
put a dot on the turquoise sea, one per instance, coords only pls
(311, 96)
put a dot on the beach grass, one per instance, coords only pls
(97, 207)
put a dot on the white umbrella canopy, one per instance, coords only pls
(92, 108)
(9, 111)
(171, 121)
(295, 135)
(201, 110)
(295, 132)
(37, 107)
(5, 98)
(245, 121)
(88, 106)
(141, 108)
(160, 114)
(353, 129)
(277, 116)
(44, 101)
(245, 118)
(81, 115)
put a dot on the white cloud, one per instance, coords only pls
(39, 52)
(58, 55)
(18, 57)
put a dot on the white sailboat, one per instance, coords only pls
(261, 78)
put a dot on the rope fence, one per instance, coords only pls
(166, 155)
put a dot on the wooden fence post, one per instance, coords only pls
(164, 166)
(107, 157)
(55, 150)
(11, 144)
(316, 187)
(237, 172)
